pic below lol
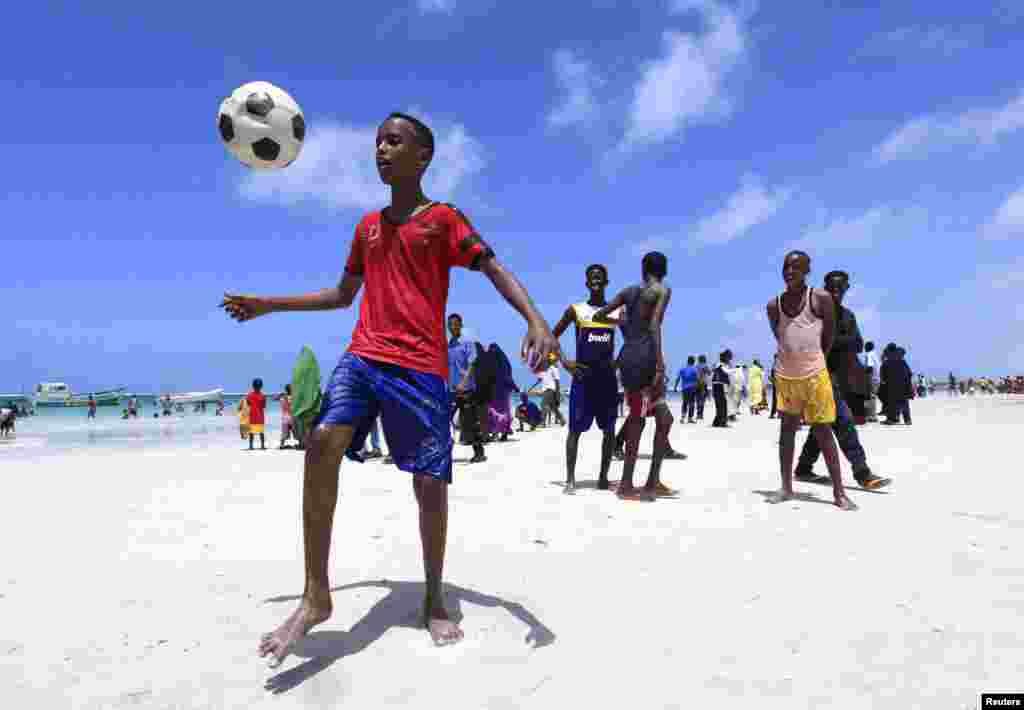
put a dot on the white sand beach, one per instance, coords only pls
(143, 578)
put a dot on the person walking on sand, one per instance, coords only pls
(720, 385)
(803, 322)
(848, 381)
(396, 365)
(641, 362)
(869, 362)
(594, 393)
(688, 378)
(257, 402)
(755, 385)
(549, 384)
(285, 398)
(499, 410)
(243, 418)
(468, 404)
(92, 408)
(703, 383)
(899, 387)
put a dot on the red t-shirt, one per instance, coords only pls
(257, 405)
(405, 271)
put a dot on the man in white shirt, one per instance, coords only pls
(869, 361)
(550, 383)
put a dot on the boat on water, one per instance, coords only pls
(194, 397)
(107, 398)
(58, 394)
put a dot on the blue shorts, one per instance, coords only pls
(594, 396)
(413, 407)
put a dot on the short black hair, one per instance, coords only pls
(655, 263)
(725, 355)
(690, 360)
(798, 252)
(702, 358)
(836, 275)
(456, 316)
(869, 346)
(257, 384)
(602, 267)
(423, 132)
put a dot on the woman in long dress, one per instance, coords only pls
(243, 418)
(500, 409)
(755, 385)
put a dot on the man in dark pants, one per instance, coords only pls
(703, 377)
(471, 408)
(847, 378)
(899, 386)
(719, 384)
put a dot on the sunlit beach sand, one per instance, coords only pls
(143, 577)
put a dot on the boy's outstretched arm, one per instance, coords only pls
(243, 308)
(539, 339)
(601, 316)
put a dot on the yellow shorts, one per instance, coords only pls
(809, 398)
(258, 428)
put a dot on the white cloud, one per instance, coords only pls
(425, 6)
(946, 41)
(650, 244)
(984, 127)
(859, 231)
(1008, 221)
(687, 83)
(577, 79)
(337, 169)
(751, 205)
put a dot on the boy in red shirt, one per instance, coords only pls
(257, 409)
(396, 366)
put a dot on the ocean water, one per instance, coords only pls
(59, 429)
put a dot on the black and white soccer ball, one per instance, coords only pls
(262, 125)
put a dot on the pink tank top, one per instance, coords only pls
(799, 339)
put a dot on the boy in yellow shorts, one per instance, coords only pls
(803, 322)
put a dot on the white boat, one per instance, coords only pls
(52, 394)
(58, 394)
(194, 397)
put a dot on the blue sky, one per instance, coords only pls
(884, 142)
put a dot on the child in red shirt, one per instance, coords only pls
(257, 408)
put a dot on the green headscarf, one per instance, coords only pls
(305, 392)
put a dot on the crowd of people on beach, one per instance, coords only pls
(400, 369)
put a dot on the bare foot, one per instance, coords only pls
(278, 644)
(845, 503)
(781, 496)
(443, 631)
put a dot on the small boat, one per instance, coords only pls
(106, 398)
(194, 397)
(52, 394)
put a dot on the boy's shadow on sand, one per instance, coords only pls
(402, 607)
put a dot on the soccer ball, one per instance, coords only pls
(262, 125)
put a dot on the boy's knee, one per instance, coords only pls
(431, 493)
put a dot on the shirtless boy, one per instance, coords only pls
(642, 368)
(803, 322)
